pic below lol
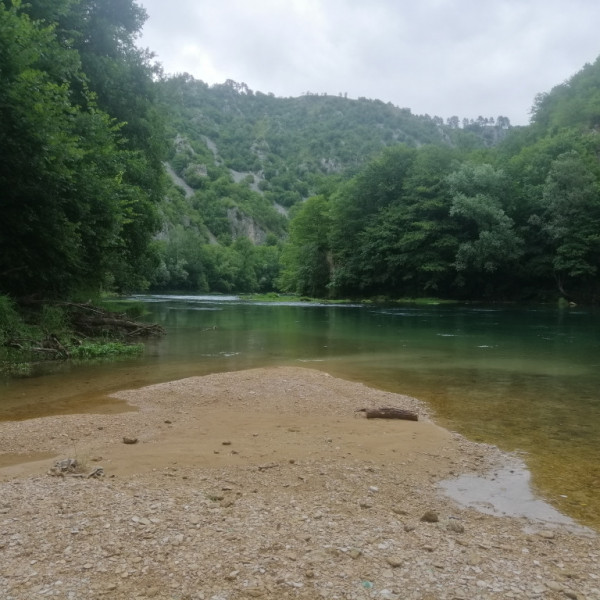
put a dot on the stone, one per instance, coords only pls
(394, 561)
(130, 440)
(455, 527)
(399, 511)
(430, 516)
(554, 586)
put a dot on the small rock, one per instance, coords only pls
(409, 527)
(366, 504)
(554, 586)
(547, 534)
(455, 527)
(430, 517)
(399, 511)
(394, 561)
(354, 553)
(226, 443)
(232, 575)
(130, 440)
(571, 594)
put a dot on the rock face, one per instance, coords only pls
(282, 518)
(243, 225)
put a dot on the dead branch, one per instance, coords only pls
(386, 412)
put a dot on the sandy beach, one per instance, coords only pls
(268, 483)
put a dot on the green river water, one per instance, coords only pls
(524, 379)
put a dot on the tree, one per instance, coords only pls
(357, 204)
(306, 257)
(490, 241)
(571, 220)
(75, 212)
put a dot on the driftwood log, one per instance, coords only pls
(386, 412)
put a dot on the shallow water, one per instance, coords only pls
(522, 379)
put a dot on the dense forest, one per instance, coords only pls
(116, 178)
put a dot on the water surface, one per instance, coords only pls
(525, 379)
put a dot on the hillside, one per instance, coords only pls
(241, 160)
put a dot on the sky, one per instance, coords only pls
(467, 58)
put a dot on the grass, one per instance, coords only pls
(134, 309)
(92, 350)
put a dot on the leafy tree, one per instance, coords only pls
(490, 241)
(357, 204)
(409, 249)
(306, 257)
(571, 220)
(76, 213)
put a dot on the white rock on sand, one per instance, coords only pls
(266, 484)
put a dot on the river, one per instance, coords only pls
(524, 379)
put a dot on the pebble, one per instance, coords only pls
(455, 527)
(395, 561)
(430, 516)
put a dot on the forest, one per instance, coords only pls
(118, 178)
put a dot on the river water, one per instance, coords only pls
(524, 379)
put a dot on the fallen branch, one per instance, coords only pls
(387, 412)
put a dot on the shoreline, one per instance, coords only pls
(266, 483)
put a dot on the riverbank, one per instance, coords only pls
(266, 483)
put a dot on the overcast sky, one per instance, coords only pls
(436, 57)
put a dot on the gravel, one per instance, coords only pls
(266, 484)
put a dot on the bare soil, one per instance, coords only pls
(266, 484)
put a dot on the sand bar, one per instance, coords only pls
(268, 483)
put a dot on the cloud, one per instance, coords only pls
(440, 57)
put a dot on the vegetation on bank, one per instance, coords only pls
(61, 331)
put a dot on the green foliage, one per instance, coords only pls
(11, 324)
(74, 191)
(306, 259)
(492, 243)
(91, 350)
